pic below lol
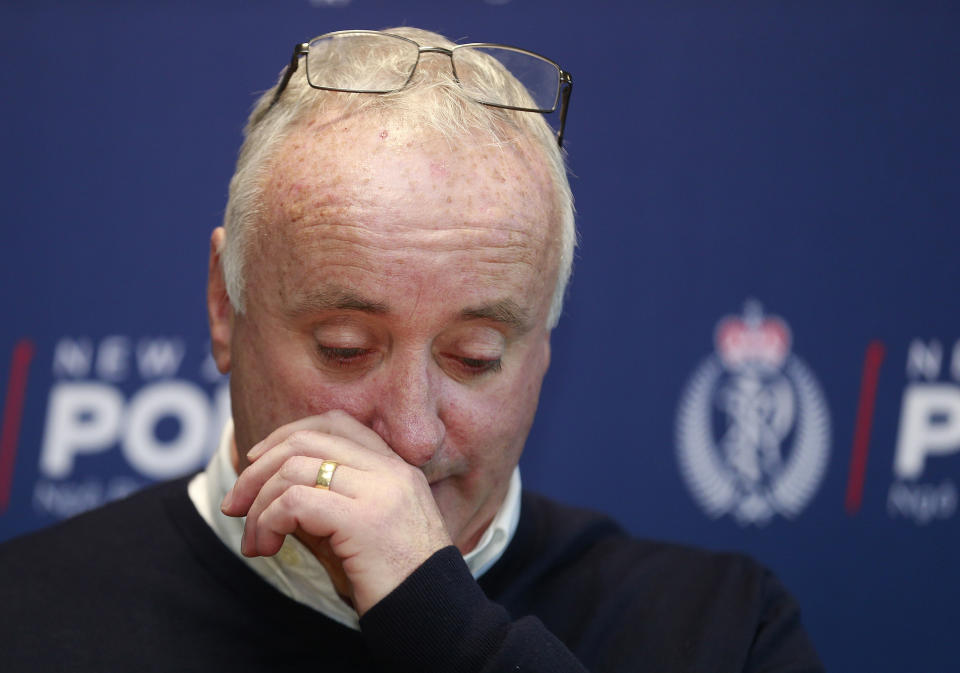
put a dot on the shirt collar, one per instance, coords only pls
(296, 572)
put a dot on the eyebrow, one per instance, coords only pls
(334, 299)
(506, 311)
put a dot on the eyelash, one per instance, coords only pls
(341, 357)
(478, 366)
(345, 357)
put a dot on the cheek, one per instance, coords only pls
(356, 398)
(489, 428)
(272, 382)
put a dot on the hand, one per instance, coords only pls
(378, 518)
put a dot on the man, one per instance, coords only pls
(382, 295)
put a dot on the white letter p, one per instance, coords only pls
(81, 418)
(929, 425)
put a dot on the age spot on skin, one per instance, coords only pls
(438, 169)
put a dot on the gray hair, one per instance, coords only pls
(433, 99)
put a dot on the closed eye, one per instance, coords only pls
(479, 366)
(342, 357)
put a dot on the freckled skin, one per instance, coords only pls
(426, 228)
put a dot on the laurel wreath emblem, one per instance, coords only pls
(713, 482)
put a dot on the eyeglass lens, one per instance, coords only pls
(480, 70)
(331, 62)
(540, 78)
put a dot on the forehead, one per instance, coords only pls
(371, 157)
(364, 184)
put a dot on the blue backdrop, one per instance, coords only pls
(761, 347)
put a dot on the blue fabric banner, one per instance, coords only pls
(761, 346)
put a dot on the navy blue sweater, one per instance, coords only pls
(145, 585)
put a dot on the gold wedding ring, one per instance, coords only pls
(325, 475)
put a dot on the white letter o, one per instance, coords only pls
(185, 452)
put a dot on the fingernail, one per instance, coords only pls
(227, 501)
(255, 452)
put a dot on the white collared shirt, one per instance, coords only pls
(294, 570)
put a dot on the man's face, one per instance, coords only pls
(406, 280)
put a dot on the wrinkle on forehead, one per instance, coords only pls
(500, 242)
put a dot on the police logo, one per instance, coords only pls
(753, 429)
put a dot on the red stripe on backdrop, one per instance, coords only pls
(12, 415)
(861, 437)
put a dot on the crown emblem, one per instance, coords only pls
(752, 340)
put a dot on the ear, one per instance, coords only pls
(219, 309)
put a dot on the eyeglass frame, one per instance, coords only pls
(564, 85)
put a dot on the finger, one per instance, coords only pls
(299, 471)
(319, 512)
(301, 443)
(334, 422)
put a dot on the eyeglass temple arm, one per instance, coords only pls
(298, 51)
(566, 82)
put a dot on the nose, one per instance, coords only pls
(407, 413)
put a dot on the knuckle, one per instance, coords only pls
(412, 476)
(300, 438)
(295, 496)
(291, 468)
(337, 414)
